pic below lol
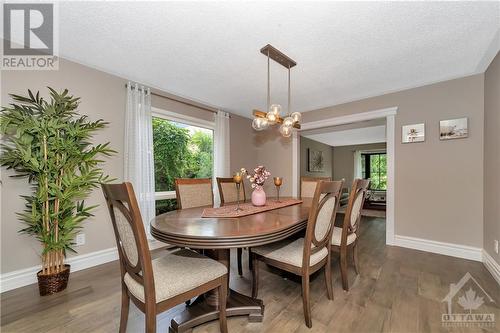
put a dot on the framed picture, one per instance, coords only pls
(413, 133)
(315, 160)
(453, 129)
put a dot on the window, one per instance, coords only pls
(374, 166)
(182, 148)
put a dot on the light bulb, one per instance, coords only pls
(288, 121)
(259, 124)
(275, 108)
(286, 131)
(296, 116)
(271, 117)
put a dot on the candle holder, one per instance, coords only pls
(237, 181)
(278, 181)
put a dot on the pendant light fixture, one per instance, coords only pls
(262, 120)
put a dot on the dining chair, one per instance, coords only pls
(155, 286)
(229, 194)
(347, 237)
(305, 256)
(308, 185)
(193, 192)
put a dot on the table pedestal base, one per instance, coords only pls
(200, 312)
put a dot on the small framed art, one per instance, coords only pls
(413, 133)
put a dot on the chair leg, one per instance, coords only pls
(305, 300)
(150, 315)
(240, 269)
(328, 278)
(250, 262)
(222, 305)
(255, 275)
(124, 311)
(343, 268)
(355, 257)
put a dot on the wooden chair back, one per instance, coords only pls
(352, 217)
(193, 192)
(321, 218)
(131, 240)
(308, 185)
(228, 192)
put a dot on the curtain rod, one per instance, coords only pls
(178, 100)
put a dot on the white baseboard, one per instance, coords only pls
(492, 266)
(26, 276)
(448, 249)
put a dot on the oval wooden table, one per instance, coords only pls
(216, 236)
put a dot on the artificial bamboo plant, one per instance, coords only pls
(50, 144)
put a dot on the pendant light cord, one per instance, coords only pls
(289, 98)
(268, 83)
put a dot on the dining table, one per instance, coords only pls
(215, 237)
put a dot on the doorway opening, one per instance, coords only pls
(365, 146)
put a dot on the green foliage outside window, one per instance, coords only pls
(374, 166)
(178, 153)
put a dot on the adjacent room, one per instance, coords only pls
(218, 166)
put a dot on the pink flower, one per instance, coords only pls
(259, 177)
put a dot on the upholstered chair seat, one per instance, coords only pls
(337, 237)
(290, 252)
(178, 272)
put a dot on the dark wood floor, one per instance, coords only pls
(399, 290)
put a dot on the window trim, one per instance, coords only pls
(181, 118)
(184, 119)
(165, 195)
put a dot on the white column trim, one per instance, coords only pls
(492, 266)
(351, 118)
(295, 166)
(390, 194)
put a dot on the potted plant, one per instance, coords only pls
(48, 143)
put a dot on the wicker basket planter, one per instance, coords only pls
(53, 283)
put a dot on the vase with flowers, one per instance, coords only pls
(257, 179)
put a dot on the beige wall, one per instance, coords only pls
(343, 160)
(243, 153)
(102, 96)
(492, 156)
(327, 150)
(438, 185)
(271, 148)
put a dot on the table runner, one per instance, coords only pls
(247, 208)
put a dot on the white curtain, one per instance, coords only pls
(221, 150)
(357, 165)
(139, 167)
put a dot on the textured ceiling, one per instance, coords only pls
(209, 51)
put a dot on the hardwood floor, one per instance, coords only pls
(399, 290)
